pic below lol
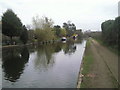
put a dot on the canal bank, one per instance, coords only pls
(100, 67)
(28, 44)
(84, 64)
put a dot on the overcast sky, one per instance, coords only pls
(85, 14)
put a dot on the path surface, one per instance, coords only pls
(105, 67)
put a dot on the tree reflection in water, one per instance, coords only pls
(45, 54)
(14, 60)
(45, 57)
(69, 48)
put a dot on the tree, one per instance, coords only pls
(117, 29)
(65, 25)
(107, 31)
(43, 28)
(24, 35)
(31, 35)
(111, 31)
(42, 23)
(73, 27)
(44, 35)
(70, 28)
(11, 24)
(57, 30)
(63, 32)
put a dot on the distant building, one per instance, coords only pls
(119, 8)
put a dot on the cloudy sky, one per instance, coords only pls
(85, 14)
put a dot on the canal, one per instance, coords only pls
(45, 66)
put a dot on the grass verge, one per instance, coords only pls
(113, 49)
(87, 63)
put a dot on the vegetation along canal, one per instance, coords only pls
(53, 65)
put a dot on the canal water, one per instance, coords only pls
(45, 66)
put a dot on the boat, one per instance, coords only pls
(63, 39)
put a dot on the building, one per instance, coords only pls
(119, 8)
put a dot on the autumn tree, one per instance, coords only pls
(63, 32)
(43, 28)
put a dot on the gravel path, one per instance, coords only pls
(105, 67)
(103, 72)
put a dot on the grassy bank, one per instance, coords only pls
(87, 63)
(111, 48)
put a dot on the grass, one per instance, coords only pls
(114, 82)
(87, 63)
(114, 50)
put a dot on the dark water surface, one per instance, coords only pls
(47, 66)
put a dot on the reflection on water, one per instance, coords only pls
(54, 65)
(14, 63)
(69, 48)
(45, 54)
(44, 57)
